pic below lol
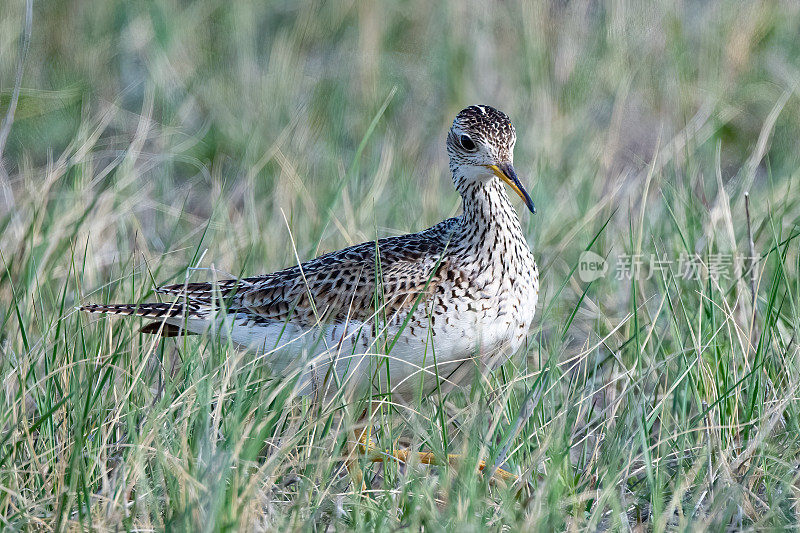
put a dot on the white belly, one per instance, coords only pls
(325, 359)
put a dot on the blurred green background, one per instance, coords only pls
(151, 136)
(263, 107)
(266, 104)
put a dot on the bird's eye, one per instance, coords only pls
(467, 143)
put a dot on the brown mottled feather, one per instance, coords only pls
(341, 285)
(163, 329)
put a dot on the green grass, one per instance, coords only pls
(154, 136)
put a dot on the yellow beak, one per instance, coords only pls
(505, 172)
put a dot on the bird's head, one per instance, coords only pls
(481, 145)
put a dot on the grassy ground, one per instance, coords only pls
(153, 136)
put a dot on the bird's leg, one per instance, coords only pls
(428, 458)
(356, 475)
(362, 445)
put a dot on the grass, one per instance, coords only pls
(152, 137)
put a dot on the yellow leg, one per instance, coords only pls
(362, 445)
(428, 458)
(365, 446)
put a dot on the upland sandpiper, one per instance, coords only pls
(401, 314)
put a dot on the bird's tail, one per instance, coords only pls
(159, 311)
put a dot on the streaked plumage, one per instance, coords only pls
(462, 292)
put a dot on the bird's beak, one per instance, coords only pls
(505, 171)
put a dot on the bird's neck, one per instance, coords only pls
(488, 220)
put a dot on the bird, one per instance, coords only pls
(404, 314)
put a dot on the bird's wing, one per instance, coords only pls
(347, 285)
